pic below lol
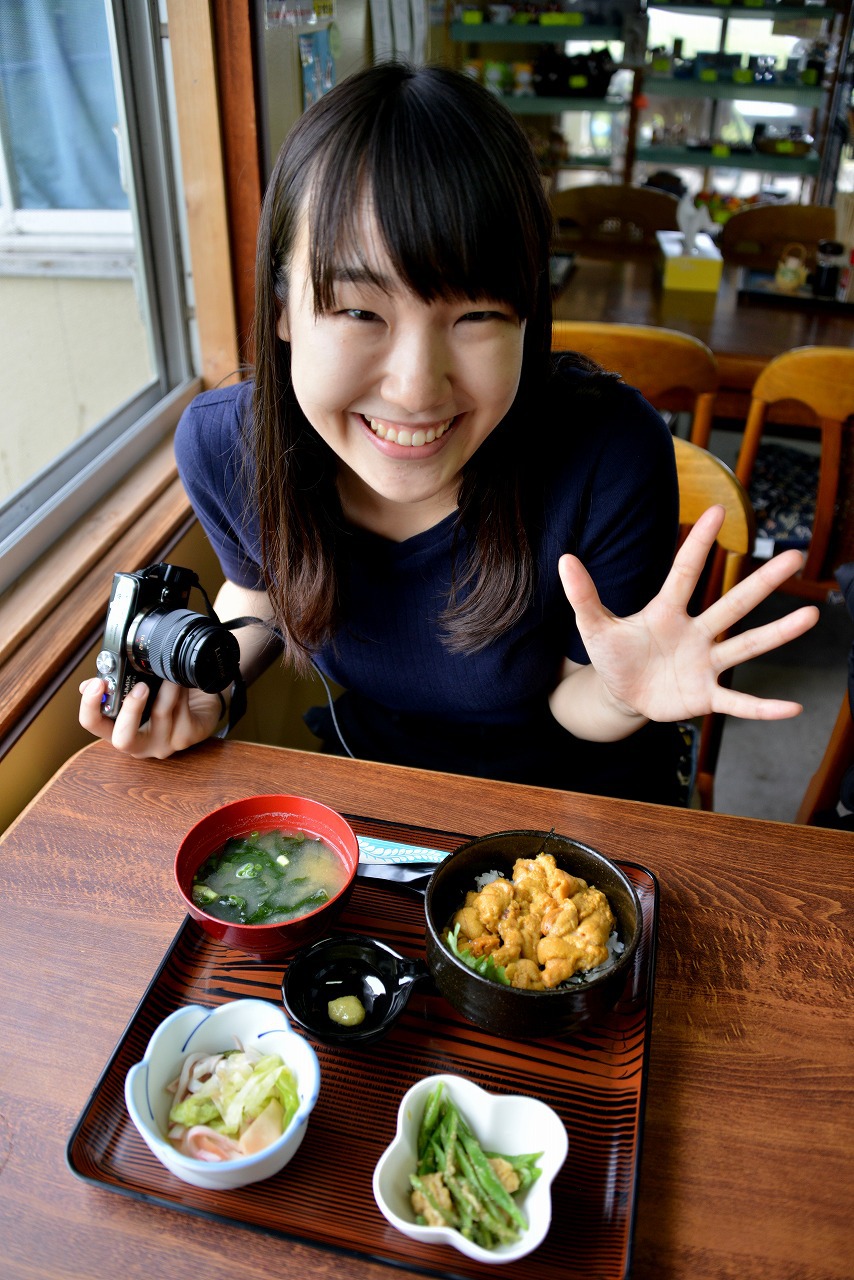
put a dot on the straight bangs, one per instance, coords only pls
(458, 219)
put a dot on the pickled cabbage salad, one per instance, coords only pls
(232, 1104)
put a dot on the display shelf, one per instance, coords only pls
(587, 162)
(535, 106)
(768, 12)
(807, 97)
(688, 158)
(795, 95)
(532, 32)
(543, 34)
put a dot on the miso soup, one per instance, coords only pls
(268, 877)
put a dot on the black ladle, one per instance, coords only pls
(349, 964)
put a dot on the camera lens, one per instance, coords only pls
(185, 648)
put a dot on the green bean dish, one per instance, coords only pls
(458, 1184)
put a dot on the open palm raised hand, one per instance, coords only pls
(662, 663)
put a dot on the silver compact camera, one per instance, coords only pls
(152, 636)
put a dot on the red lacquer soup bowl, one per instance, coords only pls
(262, 814)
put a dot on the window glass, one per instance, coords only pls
(92, 290)
(60, 105)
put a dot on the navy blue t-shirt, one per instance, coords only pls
(603, 485)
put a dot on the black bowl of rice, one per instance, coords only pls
(536, 1010)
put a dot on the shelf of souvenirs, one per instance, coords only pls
(762, 9)
(601, 161)
(302, 15)
(676, 87)
(551, 27)
(533, 105)
(535, 32)
(721, 156)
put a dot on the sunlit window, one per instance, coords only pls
(92, 312)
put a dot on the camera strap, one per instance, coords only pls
(237, 705)
(238, 689)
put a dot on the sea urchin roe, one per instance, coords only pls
(347, 1011)
(540, 929)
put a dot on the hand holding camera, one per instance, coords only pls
(153, 640)
(152, 636)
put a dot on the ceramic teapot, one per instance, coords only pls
(791, 273)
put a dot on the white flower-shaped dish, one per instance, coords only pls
(254, 1024)
(511, 1124)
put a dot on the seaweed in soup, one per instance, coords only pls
(268, 877)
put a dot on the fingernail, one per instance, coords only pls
(139, 690)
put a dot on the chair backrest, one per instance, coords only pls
(674, 371)
(757, 237)
(833, 780)
(703, 481)
(822, 379)
(612, 215)
(822, 793)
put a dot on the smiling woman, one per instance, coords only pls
(472, 538)
(338, 217)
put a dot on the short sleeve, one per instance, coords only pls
(214, 471)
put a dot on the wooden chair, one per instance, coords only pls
(675, 372)
(606, 217)
(757, 237)
(822, 793)
(833, 780)
(703, 481)
(822, 379)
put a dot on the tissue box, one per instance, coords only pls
(698, 272)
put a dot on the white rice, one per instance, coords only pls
(486, 878)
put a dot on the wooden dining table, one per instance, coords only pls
(748, 1098)
(743, 333)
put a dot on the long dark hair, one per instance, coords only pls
(458, 198)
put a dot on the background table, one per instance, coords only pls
(743, 336)
(749, 1120)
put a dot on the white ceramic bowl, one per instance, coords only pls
(194, 1029)
(511, 1124)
